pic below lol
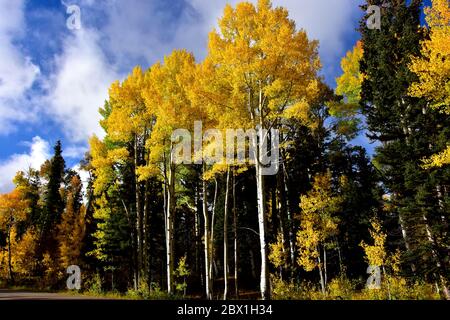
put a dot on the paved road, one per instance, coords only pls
(29, 295)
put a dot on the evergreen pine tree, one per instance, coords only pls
(406, 131)
(53, 202)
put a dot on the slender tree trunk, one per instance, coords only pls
(165, 209)
(289, 215)
(441, 206)
(212, 249)
(196, 228)
(225, 237)
(170, 224)
(280, 209)
(146, 256)
(206, 239)
(139, 230)
(133, 246)
(341, 265)
(322, 280)
(262, 232)
(236, 282)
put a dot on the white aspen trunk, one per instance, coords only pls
(169, 225)
(196, 229)
(146, 239)
(338, 247)
(225, 237)
(276, 199)
(262, 231)
(441, 206)
(261, 201)
(212, 264)
(133, 242)
(289, 215)
(206, 241)
(139, 231)
(236, 287)
(322, 281)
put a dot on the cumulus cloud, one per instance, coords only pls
(39, 151)
(74, 152)
(17, 71)
(80, 85)
(329, 21)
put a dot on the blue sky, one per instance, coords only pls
(53, 80)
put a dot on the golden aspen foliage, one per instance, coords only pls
(25, 253)
(128, 123)
(129, 115)
(349, 87)
(13, 209)
(259, 70)
(267, 67)
(102, 214)
(433, 68)
(166, 94)
(438, 160)
(278, 255)
(376, 253)
(102, 164)
(318, 223)
(349, 83)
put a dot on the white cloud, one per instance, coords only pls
(17, 71)
(38, 153)
(75, 152)
(326, 20)
(80, 85)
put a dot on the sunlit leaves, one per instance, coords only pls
(349, 87)
(376, 253)
(318, 222)
(266, 64)
(433, 68)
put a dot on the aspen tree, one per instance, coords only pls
(269, 71)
